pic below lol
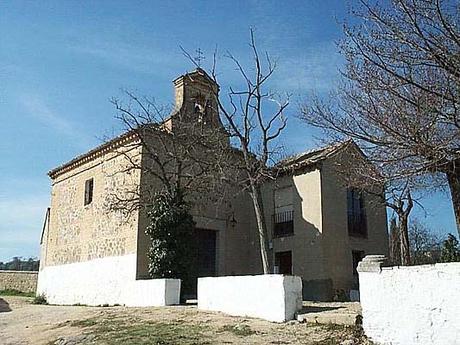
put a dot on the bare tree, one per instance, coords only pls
(399, 96)
(394, 243)
(171, 152)
(402, 203)
(254, 117)
(425, 245)
(383, 186)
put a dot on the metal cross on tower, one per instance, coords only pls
(199, 57)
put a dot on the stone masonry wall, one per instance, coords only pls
(25, 281)
(412, 305)
(79, 232)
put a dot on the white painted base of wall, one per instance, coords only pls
(272, 297)
(414, 305)
(110, 280)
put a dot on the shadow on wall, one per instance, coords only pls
(317, 290)
(315, 287)
(4, 306)
(307, 243)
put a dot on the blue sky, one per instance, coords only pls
(61, 62)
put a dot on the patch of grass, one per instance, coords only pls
(13, 292)
(117, 331)
(333, 327)
(338, 333)
(40, 299)
(238, 329)
(78, 323)
(83, 323)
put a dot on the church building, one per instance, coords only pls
(319, 229)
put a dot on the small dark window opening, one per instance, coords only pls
(358, 255)
(283, 260)
(89, 185)
(357, 222)
(283, 224)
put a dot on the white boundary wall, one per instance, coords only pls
(272, 297)
(109, 280)
(412, 305)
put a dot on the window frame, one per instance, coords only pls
(89, 192)
(283, 224)
(356, 213)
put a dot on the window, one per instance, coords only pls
(283, 219)
(283, 224)
(283, 262)
(358, 255)
(89, 185)
(357, 223)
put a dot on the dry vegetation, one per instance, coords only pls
(65, 325)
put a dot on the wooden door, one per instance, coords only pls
(284, 262)
(206, 252)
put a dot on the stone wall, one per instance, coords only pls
(79, 232)
(25, 281)
(414, 305)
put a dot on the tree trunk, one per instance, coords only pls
(261, 227)
(395, 244)
(453, 177)
(404, 236)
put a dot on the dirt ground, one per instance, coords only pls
(22, 323)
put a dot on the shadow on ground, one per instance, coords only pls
(313, 309)
(4, 306)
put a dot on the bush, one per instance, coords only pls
(171, 230)
(40, 299)
(450, 251)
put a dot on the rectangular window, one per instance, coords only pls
(283, 262)
(357, 222)
(283, 224)
(283, 218)
(89, 186)
(358, 255)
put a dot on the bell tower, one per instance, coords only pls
(196, 99)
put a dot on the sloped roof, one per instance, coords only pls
(196, 72)
(312, 157)
(94, 153)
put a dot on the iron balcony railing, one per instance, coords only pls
(283, 224)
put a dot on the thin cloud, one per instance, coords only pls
(315, 70)
(21, 225)
(138, 58)
(39, 110)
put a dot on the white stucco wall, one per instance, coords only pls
(272, 297)
(109, 280)
(415, 305)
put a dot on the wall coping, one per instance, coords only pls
(13, 271)
(372, 263)
(378, 263)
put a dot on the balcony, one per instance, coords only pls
(283, 224)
